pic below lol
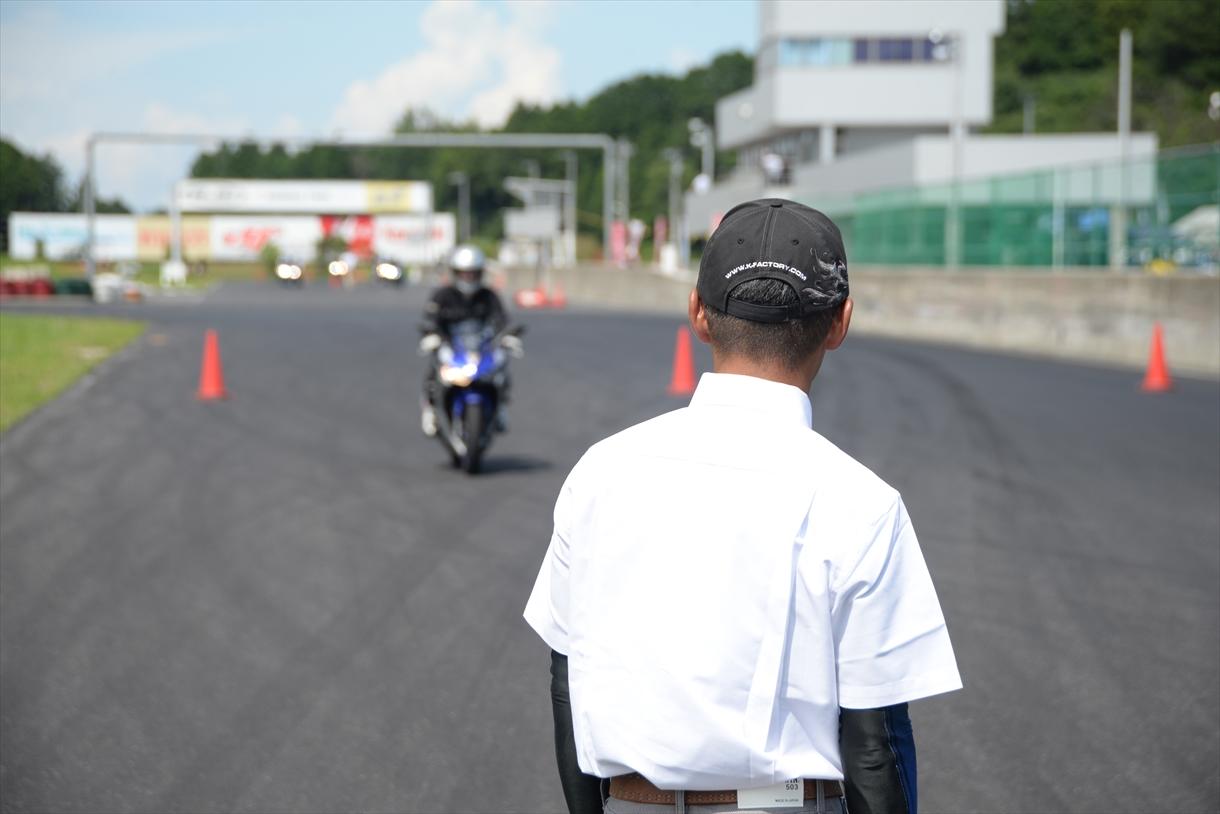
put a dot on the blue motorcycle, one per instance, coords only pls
(471, 377)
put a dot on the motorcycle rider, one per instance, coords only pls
(464, 298)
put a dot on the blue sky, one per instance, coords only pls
(313, 68)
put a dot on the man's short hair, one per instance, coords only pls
(789, 343)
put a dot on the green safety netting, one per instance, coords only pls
(1056, 218)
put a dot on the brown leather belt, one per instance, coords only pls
(635, 788)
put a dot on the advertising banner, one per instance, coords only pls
(303, 197)
(356, 230)
(153, 235)
(414, 238)
(63, 236)
(242, 238)
(398, 196)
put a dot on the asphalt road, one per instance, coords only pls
(289, 602)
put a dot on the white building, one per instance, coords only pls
(855, 96)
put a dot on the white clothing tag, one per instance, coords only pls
(781, 795)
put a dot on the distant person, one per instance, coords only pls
(738, 611)
(775, 168)
(464, 298)
(636, 229)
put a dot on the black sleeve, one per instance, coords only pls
(496, 313)
(878, 748)
(432, 314)
(583, 792)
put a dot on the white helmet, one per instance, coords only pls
(467, 263)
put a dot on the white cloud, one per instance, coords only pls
(474, 65)
(682, 60)
(68, 149)
(287, 125)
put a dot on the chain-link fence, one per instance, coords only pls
(1075, 215)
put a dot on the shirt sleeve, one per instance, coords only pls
(547, 608)
(890, 637)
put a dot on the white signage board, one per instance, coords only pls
(414, 238)
(63, 236)
(303, 197)
(242, 238)
(531, 222)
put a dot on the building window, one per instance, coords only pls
(895, 50)
(818, 51)
(900, 49)
(822, 51)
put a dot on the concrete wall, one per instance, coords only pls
(1086, 316)
(992, 156)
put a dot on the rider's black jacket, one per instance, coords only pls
(449, 306)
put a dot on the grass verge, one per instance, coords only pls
(146, 273)
(40, 356)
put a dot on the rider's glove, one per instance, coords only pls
(513, 345)
(429, 343)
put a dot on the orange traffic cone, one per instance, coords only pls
(211, 379)
(1157, 379)
(683, 381)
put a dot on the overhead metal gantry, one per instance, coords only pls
(616, 156)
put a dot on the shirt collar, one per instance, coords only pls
(784, 401)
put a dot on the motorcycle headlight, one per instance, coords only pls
(388, 271)
(460, 375)
(337, 268)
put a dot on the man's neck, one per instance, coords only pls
(801, 378)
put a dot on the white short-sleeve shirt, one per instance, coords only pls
(723, 579)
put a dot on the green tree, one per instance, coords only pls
(1064, 54)
(27, 184)
(102, 206)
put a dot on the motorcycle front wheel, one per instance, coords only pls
(472, 430)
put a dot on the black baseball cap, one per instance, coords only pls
(774, 239)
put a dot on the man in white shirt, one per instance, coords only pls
(739, 609)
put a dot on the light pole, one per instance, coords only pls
(462, 181)
(953, 48)
(625, 151)
(1118, 218)
(571, 168)
(677, 218)
(90, 219)
(704, 137)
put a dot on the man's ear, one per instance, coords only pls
(697, 314)
(838, 329)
